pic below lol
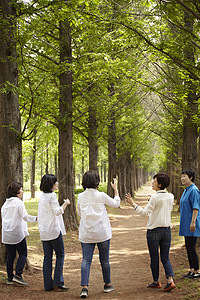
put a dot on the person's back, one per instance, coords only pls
(14, 231)
(95, 228)
(94, 223)
(51, 228)
(160, 216)
(14, 228)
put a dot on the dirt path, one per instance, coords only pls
(130, 271)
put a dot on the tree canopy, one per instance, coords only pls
(107, 85)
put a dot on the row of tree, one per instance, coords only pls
(91, 83)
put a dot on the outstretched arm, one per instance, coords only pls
(130, 200)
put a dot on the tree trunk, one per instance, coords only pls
(112, 155)
(66, 178)
(56, 165)
(92, 140)
(189, 157)
(33, 160)
(122, 176)
(83, 163)
(47, 159)
(10, 121)
(101, 177)
(104, 172)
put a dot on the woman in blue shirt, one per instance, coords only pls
(190, 220)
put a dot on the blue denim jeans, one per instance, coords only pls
(21, 248)
(87, 250)
(58, 246)
(159, 237)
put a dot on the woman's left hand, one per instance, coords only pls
(192, 226)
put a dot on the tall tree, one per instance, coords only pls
(66, 178)
(190, 134)
(10, 121)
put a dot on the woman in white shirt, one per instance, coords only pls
(51, 228)
(159, 210)
(14, 231)
(95, 228)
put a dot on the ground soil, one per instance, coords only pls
(129, 258)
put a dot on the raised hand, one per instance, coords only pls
(114, 185)
(129, 199)
(66, 203)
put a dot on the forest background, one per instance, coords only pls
(106, 85)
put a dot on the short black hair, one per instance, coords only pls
(47, 183)
(191, 174)
(91, 179)
(13, 189)
(162, 179)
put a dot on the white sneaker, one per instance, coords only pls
(19, 280)
(108, 288)
(196, 275)
(84, 293)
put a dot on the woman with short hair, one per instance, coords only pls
(14, 231)
(190, 220)
(159, 210)
(95, 228)
(51, 229)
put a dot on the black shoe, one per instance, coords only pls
(61, 288)
(10, 282)
(189, 275)
(84, 293)
(19, 280)
(108, 288)
(196, 275)
(169, 286)
(154, 285)
(49, 290)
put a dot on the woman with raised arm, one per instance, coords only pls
(95, 228)
(159, 210)
(52, 228)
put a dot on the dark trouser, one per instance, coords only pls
(87, 250)
(58, 246)
(21, 248)
(190, 243)
(159, 237)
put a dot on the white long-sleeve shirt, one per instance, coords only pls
(158, 209)
(94, 224)
(14, 221)
(50, 220)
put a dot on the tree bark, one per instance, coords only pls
(10, 121)
(122, 176)
(83, 163)
(134, 188)
(56, 165)
(190, 135)
(104, 172)
(33, 161)
(66, 177)
(112, 155)
(92, 140)
(47, 158)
